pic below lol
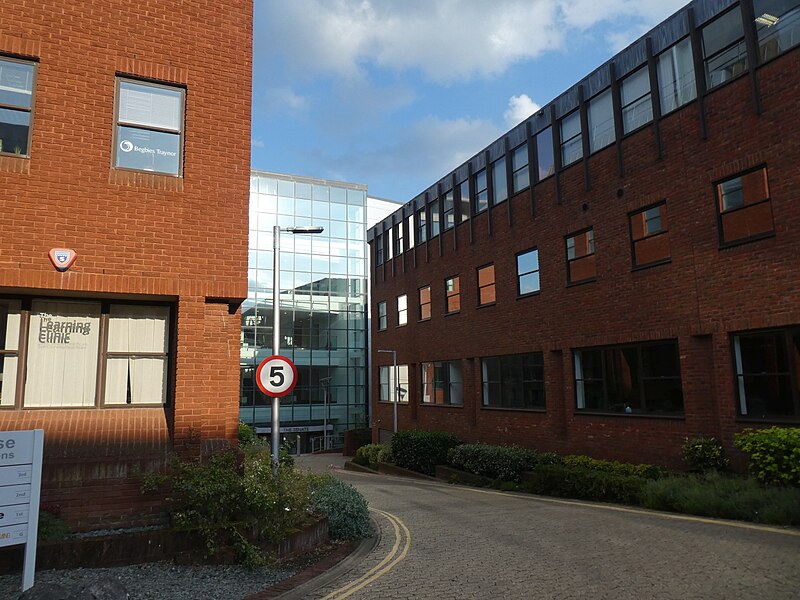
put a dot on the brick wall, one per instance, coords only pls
(698, 298)
(138, 235)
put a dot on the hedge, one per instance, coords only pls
(421, 451)
(584, 484)
(497, 462)
(774, 454)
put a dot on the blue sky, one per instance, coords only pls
(397, 93)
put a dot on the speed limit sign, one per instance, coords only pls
(276, 376)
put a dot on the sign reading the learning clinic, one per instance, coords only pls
(20, 485)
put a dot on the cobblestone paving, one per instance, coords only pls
(468, 543)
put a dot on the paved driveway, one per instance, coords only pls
(441, 541)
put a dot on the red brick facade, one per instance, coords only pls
(698, 298)
(138, 235)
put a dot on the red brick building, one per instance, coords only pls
(125, 131)
(621, 270)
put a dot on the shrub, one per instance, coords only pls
(585, 484)
(497, 462)
(612, 466)
(51, 525)
(233, 500)
(715, 495)
(422, 450)
(345, 507)
(371, 454)
(774, 454)
(247, 435)
(704, 454)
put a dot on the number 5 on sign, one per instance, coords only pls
(276, 376)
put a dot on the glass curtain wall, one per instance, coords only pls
(323, 305)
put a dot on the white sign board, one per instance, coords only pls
(20, 485)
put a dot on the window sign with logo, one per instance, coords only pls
(63, 343)
(149, 127)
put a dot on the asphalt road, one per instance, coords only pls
(442, 541)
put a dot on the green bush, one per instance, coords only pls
(612, 466)
(585, 484)
(247, 435)
(233, 500)
(704, 454)
(371, 454)
(497, 462)
(715, 495)
(51, 525)
(774, 454)
(345, 507)
(421, 451)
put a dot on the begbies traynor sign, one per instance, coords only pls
(128, 146)
(20, 485)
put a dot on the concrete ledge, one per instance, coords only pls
(390, 469)
(351, 466)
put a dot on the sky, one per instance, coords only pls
(395, 94)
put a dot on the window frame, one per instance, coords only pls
(447, 384)
(499, 180)
(521, 275)
(421, 216)
(648, 236)
(120, 78)
(720, 212)
(518, 364)
(383, 316)
(492, 285)
(567, 238)
(600, 142)
(577, 137)
(761, 26)
(390, 376)
(448, 209)
(547, 135)
(455, 293)
(421, 305)
(480, 196)
(675, 96)
(643, 70)
(521, 150)
(736, 43)
(102, 355)
(402, 313)
(30, 111)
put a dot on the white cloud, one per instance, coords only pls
(447, 40)
(283, 100)
(519, 108)
(257, 143)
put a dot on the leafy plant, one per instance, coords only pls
(577, 482)
(421, 451)
(371, 454)
(232, 499)
(345, 507)
(247, 435)
(51, 525)
(497, 462)
(612, 466)
(704, 454)
(774, 454)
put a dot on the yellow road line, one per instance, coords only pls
(383, 567)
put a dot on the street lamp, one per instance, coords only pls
(396, 383)
(276, 328)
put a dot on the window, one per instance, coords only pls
(9, 357)
(441, 383)
(387, 236)
(520, 178)
(399, 245)
(410, 225)
(515, 381)
(434, 223)
(767, 365)
(402, 310)
(449, 210)
(106, 354)
(388, 389)
(16, 105)
(649, 236)
(676, 82)
(382, 318)
(724, 52)
(744, 207)
(571, 144)
(637, 109)
(379, 249)
(486, 290)
(580, 257)
(481, 191)
(601, 121)
(544, 153)
(422, 227)
(777, 26)
(528, 272)
(631, 379)
(499, 181)
(463, 194)
(425, 303)
(149, 127)
(452, 294)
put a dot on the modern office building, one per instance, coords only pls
(323, 304)
(124, 163)
(620, 271)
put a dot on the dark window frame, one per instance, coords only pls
(499, 167)
(576, 137)
(721, 213)
(521, 275)
(422, 305)
(448, 209)
(422, 224)
(402, 313)
(649, 95)
(567, 238)
(492, 285)
(523, 150)
(445, 384)
(480, 196)
(456, 293)
(383, 316)
(30, 111)
(647, 235)
(723, 50)
(536, 384)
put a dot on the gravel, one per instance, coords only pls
(165, 580)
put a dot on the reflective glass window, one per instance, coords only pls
(481, 191)
(486, 285)
(16, 105)
(601, 121)
(676, 81)
(724, 51)
(528, 272)
(544, 153)
(637, 108)
(499, 181)
(520, 178)
(571, 144)
(777, 26)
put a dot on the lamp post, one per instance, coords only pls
(276, 328)
(396, 383)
